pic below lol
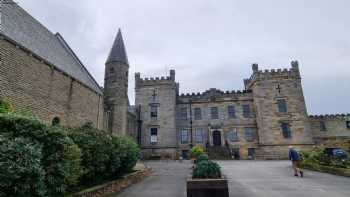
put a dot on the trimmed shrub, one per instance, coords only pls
(21, 173)
(103, 156)
(96, 147)
(196, 151)
(128, 153)
(207, 169)
(5, 106)
(202, 157)
(60, 156)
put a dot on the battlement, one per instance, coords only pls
(329, 116)
(154, 80)
(266, 74)
(214, 93)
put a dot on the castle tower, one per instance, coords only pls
(281, 111)
(116, 87)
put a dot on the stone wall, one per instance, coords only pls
(270, 86)
(335, 132)
(162, 94)
(34, 86)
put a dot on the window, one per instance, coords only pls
(197, 113)
(232, 135)
(348, 124)
(282, 106)
(108, 120)
(231, 111)
(199, 135)
(248, 134)
(183, 113)
(214, 113)
(154, 112)
(55, 121)
(323, 126)
(154, 135)
(184, 136)
(246, 111)
(286, 132)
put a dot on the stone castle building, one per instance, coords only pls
(41, 74)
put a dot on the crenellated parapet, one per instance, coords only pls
(214, 94)
(330, 116)
(154, 80)
(266, 74)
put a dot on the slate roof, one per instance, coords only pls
(118, 52)
(22, 28)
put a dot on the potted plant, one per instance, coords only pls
(206, 180)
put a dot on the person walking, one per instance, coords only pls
(294, 157)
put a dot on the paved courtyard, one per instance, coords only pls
(246, 179)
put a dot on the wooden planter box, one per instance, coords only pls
(207, 187)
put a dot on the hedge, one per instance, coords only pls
(103, 155)
(50, 147)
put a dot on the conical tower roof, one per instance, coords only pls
(118, 53)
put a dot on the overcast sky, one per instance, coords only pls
(212, 43)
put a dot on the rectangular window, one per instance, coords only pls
(282, 106)
(154, 135)
(197, 113)
(199, 134)
(286, 132)
(232, 135)
(323, 126)
(348, 124)
(246, 111)
(214, 113)
(231, 111)
(183, 113)
(184, 136)
(108, 120)
(249, 135)
(154, 112)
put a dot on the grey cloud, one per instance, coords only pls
(213, 43)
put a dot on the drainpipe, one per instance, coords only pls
(191, 129)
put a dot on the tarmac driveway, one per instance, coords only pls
(246, 179)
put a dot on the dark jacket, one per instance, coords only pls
(293, 155)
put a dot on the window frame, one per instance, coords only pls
(246, 111)
(154, 114)
(282, 106)
(196, 131)
(182, 141)
(183, 113)
(231, 111)
(288, 131)
(234, 132)
(152, 141)
(214, 116)
(323, 126)
(250, 137)
(197, 113)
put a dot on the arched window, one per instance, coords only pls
(56, 121)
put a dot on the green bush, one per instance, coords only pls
(21, 173)
(207, 169)
(128, 153)
(5, 106)
(196, 151)
(202, 157)
(60, 156)
(103, 156)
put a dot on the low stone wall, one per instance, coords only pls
(115, 186)
(330, 170)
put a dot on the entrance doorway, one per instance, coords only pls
(216, 138)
